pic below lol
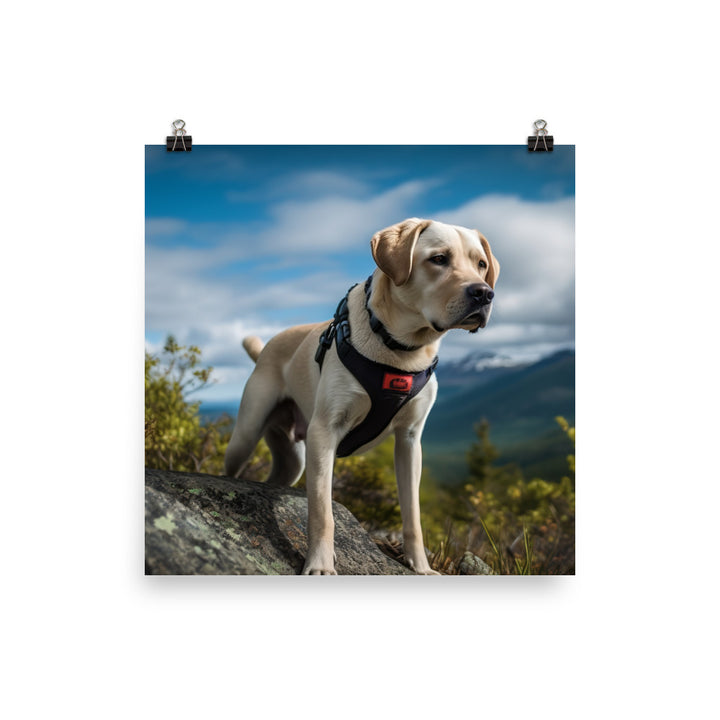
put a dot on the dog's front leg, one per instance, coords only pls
(408, 469)
(321, 444)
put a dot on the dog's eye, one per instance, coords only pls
(482, 264)
(438, 260)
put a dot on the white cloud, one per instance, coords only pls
(181, 292)
(339, 223)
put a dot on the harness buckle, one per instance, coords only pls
(326, 340)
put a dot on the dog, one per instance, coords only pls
(302, 398)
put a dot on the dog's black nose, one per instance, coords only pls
(480, 293)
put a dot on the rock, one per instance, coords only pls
(206, 525)
(473, 565)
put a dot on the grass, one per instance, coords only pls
(506, 556)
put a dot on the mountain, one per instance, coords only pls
(520, 402)
(476, 368)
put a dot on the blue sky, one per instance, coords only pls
(251, 239)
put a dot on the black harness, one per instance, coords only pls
(389, 388)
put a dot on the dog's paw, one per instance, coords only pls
(310, 570)
(320, 562)
(421, 566)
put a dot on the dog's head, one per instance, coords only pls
(445, 272)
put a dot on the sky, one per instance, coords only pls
(249, 240)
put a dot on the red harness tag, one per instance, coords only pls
(398, 383)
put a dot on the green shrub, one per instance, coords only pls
(175, 439)
(515, 525)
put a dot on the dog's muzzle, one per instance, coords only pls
(474, 310)
(480, 297)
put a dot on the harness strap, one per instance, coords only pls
(388, 387)
(326, 339)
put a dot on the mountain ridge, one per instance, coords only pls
(520, 404)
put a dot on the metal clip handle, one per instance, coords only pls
(541, 131)
(179, 131)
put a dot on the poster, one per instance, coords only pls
(246, 241)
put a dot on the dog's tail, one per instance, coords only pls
(253, 347)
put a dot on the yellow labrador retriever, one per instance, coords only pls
(347, 385)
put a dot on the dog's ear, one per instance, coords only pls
(392, 248)
(494, 266)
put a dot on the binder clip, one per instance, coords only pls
(534, 143)
(185, 144)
